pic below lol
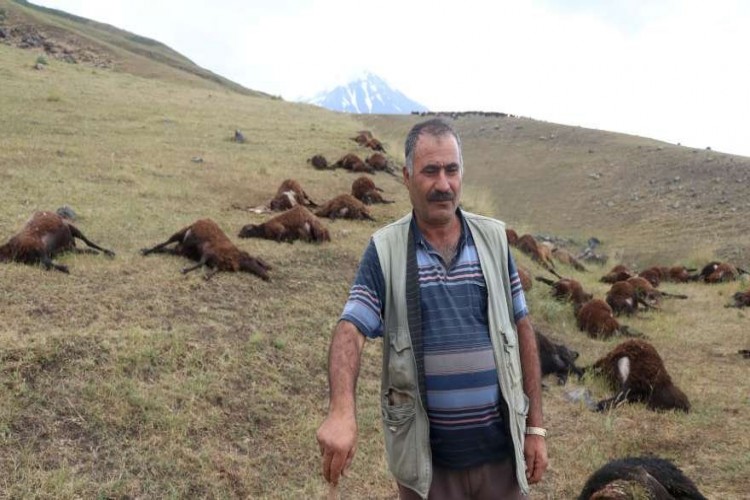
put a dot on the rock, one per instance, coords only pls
(196, 159)
(239, 137)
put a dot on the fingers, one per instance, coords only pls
(535, 455)
(337, 467)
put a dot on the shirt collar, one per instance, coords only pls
(421, 240)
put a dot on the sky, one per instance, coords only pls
(673, 70)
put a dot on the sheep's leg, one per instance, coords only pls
(614, 401)
(160, 247)
(78, 234)
(48, 264)
(85, 251)
(200, 264)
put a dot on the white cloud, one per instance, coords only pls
(669, 69)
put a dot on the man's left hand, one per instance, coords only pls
(535, 454)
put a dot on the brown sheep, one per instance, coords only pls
(718, 272)
(654, 275)
(617, 273)
(380, 163)
(566, 257)
(676, 274)
(567, 289)
(639, 477)
(525, 276)
(365, 190)
(538, 253)
(344, 206)
(290, 194)
(354, 163)
(297, 223)
(646, 290)
(205, 242)
(595, 317)
(44, 236)
(741, 299)
(636, 371)
(320, 162)
(623, 297)
(512, 236)
(365, 139)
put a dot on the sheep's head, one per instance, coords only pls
(251, 231)
(250, 264)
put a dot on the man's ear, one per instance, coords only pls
(405, 172)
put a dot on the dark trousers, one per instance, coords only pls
(494, 481)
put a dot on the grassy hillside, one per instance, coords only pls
(127, 379)
(75, 39)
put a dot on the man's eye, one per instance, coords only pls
(451, 169)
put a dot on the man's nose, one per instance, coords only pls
(441, 183)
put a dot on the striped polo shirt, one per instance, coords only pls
(463, 394)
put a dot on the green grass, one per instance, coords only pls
(128, 379)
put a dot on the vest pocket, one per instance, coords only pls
(399, 427)
(402, 372)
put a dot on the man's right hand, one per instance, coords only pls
(337, 438)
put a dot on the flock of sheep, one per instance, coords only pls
(48, 234)
(633, 368)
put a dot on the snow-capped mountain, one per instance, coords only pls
(368, 94)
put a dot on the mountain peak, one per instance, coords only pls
(366, 93)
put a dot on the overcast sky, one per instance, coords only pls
(674, 70)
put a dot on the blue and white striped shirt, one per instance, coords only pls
(463, 394)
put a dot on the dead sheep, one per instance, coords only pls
(380, 163)
(344, 206)
(290, 194)
(512, 237)
(205, 242)
(596, 318)
(636, 371)
(320, 162)
(624, 298)
(354, 163)
(43, 237)
(297, 223)
(565, 257)
(365, 139)
(538, 253)
(556, 359)
(741, 299)
(618, 273)
(647, 292)
(639, 477)
(525, 276)
(567, 289)
(677, 274)
(654, 275)
(718, 272)
(365, 190)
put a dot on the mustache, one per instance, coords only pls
(440, 196)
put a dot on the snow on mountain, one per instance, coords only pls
(368, 94)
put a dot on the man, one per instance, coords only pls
(461, 388)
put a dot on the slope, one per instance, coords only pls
(128, 379)
(73, 39)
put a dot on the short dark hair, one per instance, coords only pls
(435, 127)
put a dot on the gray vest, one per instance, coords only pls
(405, 423)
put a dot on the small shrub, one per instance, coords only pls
(42, 60)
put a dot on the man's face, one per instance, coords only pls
(435, 184)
